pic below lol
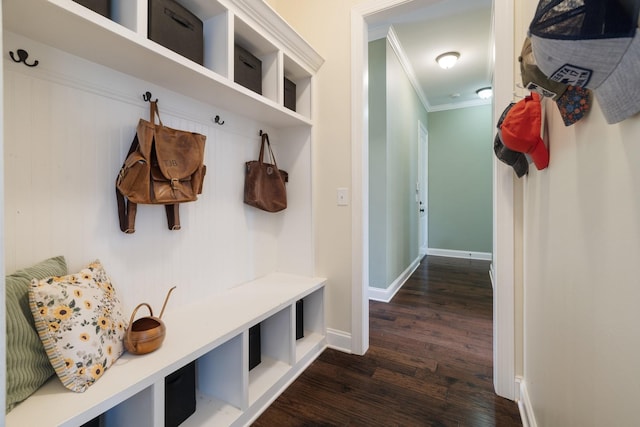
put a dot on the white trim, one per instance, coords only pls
(423, 170)
(360, 169)
(464, 104)
(339, 340)
(386, 294)
(378, 32)
(504, 355)
(503, 221)
(451, 253)
(491, 274)
(524, 404)
(395, 44)
(360, 183)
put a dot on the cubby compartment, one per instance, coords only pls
(314, 326)
(130, 412)
(275, 344)
(221, 392)
(301, 78)
(255, 44)
(218, 34)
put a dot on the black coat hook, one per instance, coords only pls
(22, 57)
(217, 120)
(147, 97)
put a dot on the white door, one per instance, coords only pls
(422, 187)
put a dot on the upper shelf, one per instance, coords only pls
(124, 46)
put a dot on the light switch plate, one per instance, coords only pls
(343, 196)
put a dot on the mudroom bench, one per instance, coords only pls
(213, 333)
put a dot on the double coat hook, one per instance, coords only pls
(147, 97)
(22, 57)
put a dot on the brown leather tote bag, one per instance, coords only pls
(264, 183)
(164, 167)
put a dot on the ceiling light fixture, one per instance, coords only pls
(485, 92)
(447, 60)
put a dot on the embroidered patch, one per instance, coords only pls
(572, 75)
(542, 91)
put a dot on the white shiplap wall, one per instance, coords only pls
(68, 127)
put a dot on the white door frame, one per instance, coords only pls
(503, 244)
(422, 190)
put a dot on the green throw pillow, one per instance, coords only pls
(28, 366)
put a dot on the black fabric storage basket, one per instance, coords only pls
(93, 423)
(247, 69)
(180, 395)
(299, 319)
(176, 28)
(103, 7)
(255, 352)
(289, 94)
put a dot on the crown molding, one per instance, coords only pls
(378, 32)
(406, 64)
(463, 104)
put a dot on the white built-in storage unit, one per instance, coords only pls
(68, 125)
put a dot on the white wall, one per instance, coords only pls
(326, 25)
(581, 249)
(69, 125)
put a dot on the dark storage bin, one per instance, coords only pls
(254, 346)
(289, 94)
(103, 7)
(180, 395)
(247, 69)
(174, 27)
(299, 319)
(93, 423)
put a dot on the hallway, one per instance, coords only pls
(429, 362)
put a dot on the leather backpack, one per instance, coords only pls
(164, 166)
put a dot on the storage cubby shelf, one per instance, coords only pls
(192, 332)
(82, 32)
(211, 328)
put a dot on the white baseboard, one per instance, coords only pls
(485, 256)
(339, 340)
(386, 294)
(524, 404)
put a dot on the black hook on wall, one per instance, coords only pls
(22, 57)
(217, 120)
(147, 97)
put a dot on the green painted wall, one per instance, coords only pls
(460, 177)
(404, 109)
(377, 160)
(394, 112)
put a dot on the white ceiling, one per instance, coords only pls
(421, 30)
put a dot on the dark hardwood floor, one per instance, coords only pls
(429, 362)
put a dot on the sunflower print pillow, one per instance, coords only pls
(81, 323)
